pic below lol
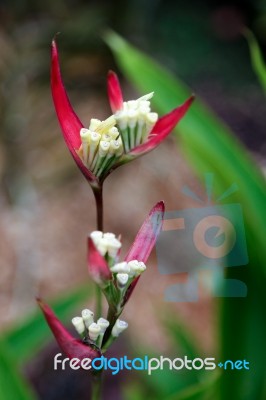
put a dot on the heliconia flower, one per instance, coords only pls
(132, 131)
(73, 348)
(105, 270)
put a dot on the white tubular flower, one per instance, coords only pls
(102, 246)
(94, 331)
(94, 124)
(106, 243)
(79, 325)
(119, 327)
(113, 132)
(116, 147)
(136, 267)
(85, 136)
(121, 267)
(95, 139)
(113, 246)
(96, 236)
(97, 151)
(103, 324)
(87, 316)
(122, 279)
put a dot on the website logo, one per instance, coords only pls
(209, 237)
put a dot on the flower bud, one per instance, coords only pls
(119, 327)
(136, 267)
(96, 236)
(87, 316)
(122, 279)
(79, 325)
(113, 246)
(94, 331)
(121, 267)
(103, 324)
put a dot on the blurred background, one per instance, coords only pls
(46, 206)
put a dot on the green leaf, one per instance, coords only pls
(210, 146)
(257, 61)
(205, 390)
(32, 334)
(12, 384)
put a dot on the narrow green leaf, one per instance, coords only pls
(12, 384)
(257, 61)
(205, 390)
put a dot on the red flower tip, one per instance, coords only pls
(97, 265)
(68, 120)
(147, 235)
(114, 92)
(72, 347)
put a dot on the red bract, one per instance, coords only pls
(145, 241)
(69, 121)
(114, 92)
(72, 347)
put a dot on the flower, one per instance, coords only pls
(73, 348)
(118, 279)
(133, 130)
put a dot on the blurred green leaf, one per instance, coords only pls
(183, 341)
(12, 384)
(205, 390)
(257, 61)
(133, 391)
(182, 338)
(24, 340)
(210, 146)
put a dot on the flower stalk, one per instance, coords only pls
(132, 130)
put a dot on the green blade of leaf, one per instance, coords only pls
(257, 61)
(205, 390)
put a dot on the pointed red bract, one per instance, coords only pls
(145, 241)
(97, 265)
(114, 92)
(72, 347)
(147, 235)
(69, 121)
(162, 128)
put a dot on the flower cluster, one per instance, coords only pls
(117, 281)
(101, 145)
(93, 332)
(130, 132)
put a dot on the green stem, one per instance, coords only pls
(96, 386)
(113, 314)
(97, 377)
